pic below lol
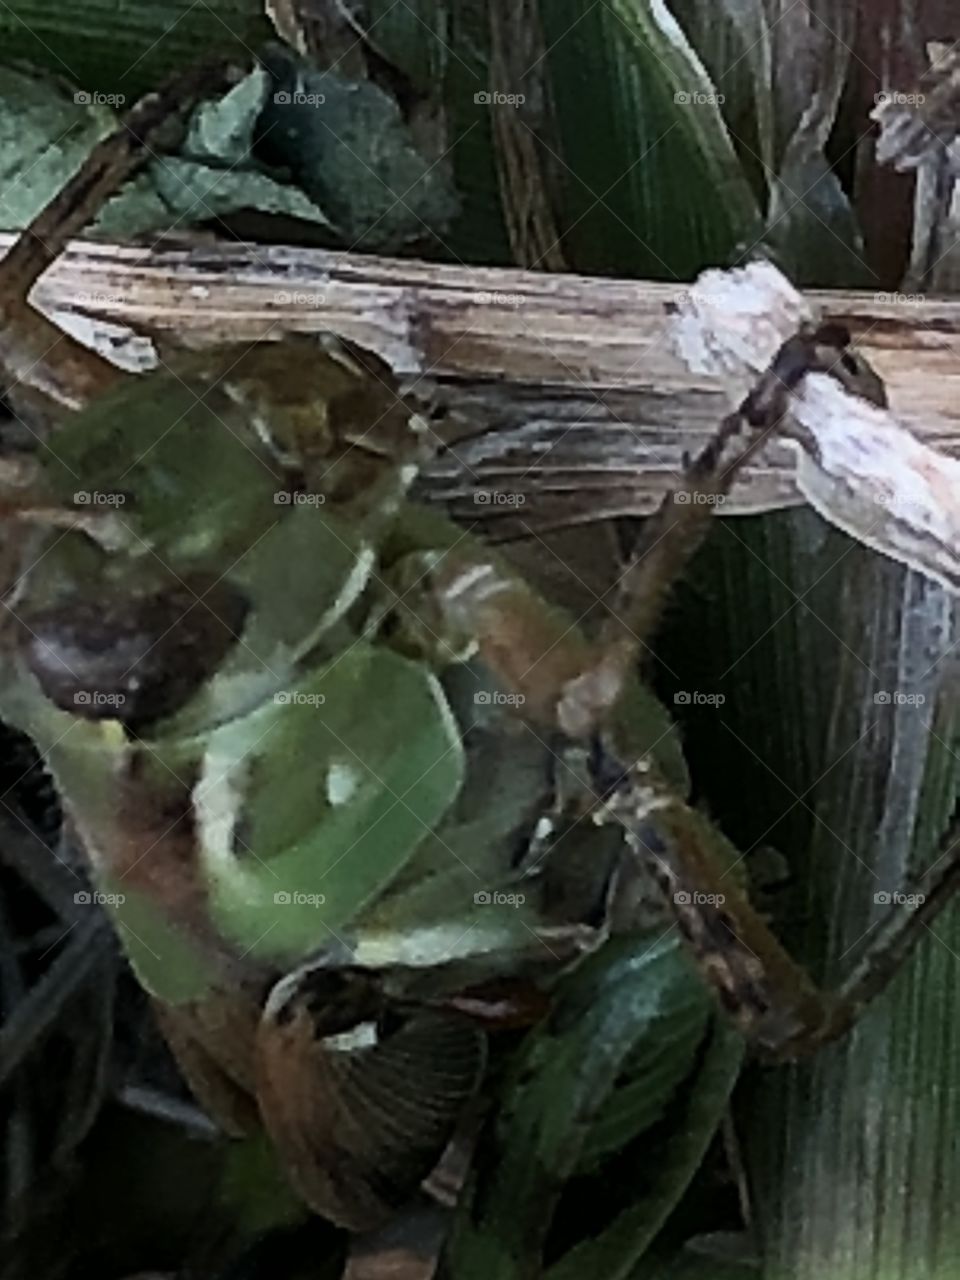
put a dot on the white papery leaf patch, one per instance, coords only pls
(857, 464)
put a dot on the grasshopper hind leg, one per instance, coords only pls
(767, 993)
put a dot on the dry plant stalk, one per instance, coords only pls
(587, 419)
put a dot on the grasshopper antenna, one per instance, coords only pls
(676, 530)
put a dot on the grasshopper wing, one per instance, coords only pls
(360, 1110)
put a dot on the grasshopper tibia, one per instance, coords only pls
(769, 996)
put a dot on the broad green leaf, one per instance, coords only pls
(854, 790)
(734, 41)
(161, 439)
(221, 132)
(661, 1175)
(347, 145)
(311, 805)
(446, 898)
(254, 1185)
(122, 46)
(47, 128)
(44, 134)
(215, 175)
(648, 179)
(633, 993)
(177, 193)
(291, 607)
(812, 229)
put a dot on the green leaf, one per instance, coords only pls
(649, 182)
(160, 438)
(622, 1005)
(284, 622)
(734, 40)
(662, 1175)
(854, 791)
(307, 808)
(47, 128)
(443, 899)
(347, 145)
(123, 46)
(215, 176)
(44, 135)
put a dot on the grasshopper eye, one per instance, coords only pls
(136, 659)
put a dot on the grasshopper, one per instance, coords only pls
(334, 763)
